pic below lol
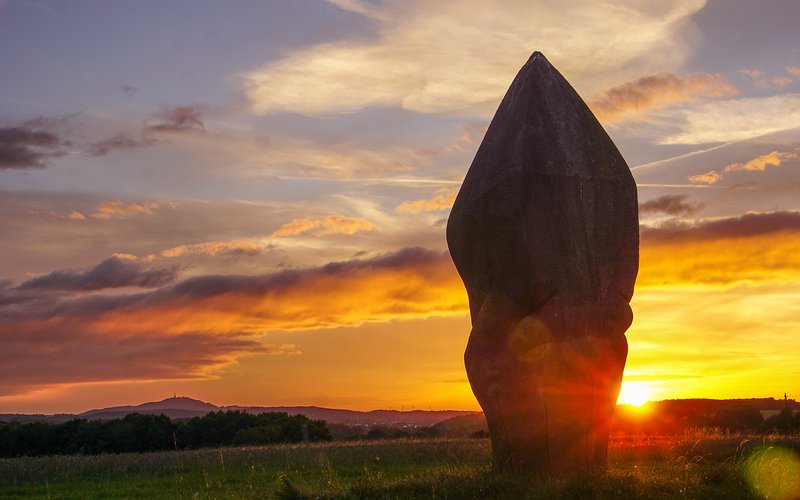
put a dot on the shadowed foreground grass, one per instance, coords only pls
(692, 466)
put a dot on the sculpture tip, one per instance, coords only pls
(538, 57)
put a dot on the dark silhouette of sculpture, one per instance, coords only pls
(544, 233)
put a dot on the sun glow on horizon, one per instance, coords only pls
(635, 393)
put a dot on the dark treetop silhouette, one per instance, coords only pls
(544, 233)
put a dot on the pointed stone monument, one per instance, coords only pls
(544, 233)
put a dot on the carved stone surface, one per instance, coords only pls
(544, 233)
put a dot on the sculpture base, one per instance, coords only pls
(548, 382)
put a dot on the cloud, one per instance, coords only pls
(333, 224)
(232, 247)
(409, 283)
(793, 70)
(442, 201)
(752, 72)
(754, 247)
(745, 226)
(175, 119)
(76, 356)
(757, 164)
(461, 56)
(469, 136)
(359, 7)
(24, 148)
(776, 81)
(117, 209)
(632, 100)
(128, 90)
(671, 205)
(761, 79)
(117, 271)
(71, 214)
(710, 177)
(119, 142)
(736, 119)
(188, 329)
(180, 119)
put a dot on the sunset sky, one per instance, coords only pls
(244, 202)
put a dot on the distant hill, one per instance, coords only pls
(353, 417)
(677, 412)
(183, 407)
(462, 426)
(177, 407)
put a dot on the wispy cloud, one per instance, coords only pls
(461, 56)
(113, 209)
(70, 214)
(763, 80)
(442, 201)
(117, 271)
(119, 142)
(365, 8)
(757, 164)
(179, 119)
(332, 224)
(736, 119)
(231, 247)
(760, 163)
(128, 90)
(633, 100)
(669, 204)
(24, 147)
(752, 72)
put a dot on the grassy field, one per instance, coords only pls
(691, 466)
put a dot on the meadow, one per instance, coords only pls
(693, 465)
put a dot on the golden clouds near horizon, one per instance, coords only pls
(326, 298)
(218, 318)
(710, 294)
(762, 258)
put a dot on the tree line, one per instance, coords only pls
(679, 418)
(143, 432)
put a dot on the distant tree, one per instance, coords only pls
(385, 432)
(258, 435)
(345, 432)
(378, 432)
(784, 422)
(139, 433)
(426, 432)
(738, 418)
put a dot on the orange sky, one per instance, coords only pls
(248, 206)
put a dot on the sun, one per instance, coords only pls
(634, 393)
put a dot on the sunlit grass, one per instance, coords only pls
(703, 465)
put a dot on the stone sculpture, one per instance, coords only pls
(544, 233)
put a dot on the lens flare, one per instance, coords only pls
(774, 472)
